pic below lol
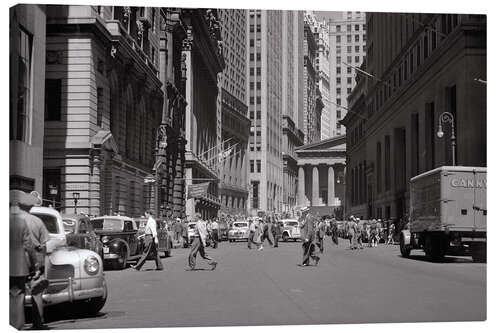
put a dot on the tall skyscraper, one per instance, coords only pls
(235, 125)
(348, 46)
(322, 64)
(292, 137)
(265, 97)
(312, 97)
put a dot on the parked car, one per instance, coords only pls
(80, 233)
(238, 231)
(165, 243)
(76, 276)
(119, 235)
(290, 230)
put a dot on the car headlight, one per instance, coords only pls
(91, 265)
(105, 239)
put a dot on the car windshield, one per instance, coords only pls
(69, 226)
(240, 224)
(50, 222)
(108, 224)
(291, 224)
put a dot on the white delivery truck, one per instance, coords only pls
(447, 207)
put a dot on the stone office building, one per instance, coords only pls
(202, 51)
(26, 96)
(104, 103)
(428, 64)
(235, 125)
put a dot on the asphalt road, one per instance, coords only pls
(251, 287)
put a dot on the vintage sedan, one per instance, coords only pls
(119, 236)
(165, 243)
(239, 231)
(76, 276)
(291, 230)
(80, 233)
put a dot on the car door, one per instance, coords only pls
(131, 236)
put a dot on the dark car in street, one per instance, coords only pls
(119, 235)
(165, 243)
(80, 233)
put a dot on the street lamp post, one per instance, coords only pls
(447, 117)
(76, 196)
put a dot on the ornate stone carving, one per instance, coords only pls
(126, 14)
(113, 51)
(187, 42)
(140, 30)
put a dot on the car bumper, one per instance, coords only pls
(111, 256)
(236, 237)
(69, 294)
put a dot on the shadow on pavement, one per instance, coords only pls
(446, 260)
(68, 313)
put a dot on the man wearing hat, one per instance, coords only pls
(22, 256)
(39, 237)
(308, 233)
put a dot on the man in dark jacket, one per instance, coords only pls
(320, 233)
(22, 256)
(308, 233)
(275, 230)
(266, 230)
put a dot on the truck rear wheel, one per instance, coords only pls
(435, 247)
(478, 252)
(405, 249)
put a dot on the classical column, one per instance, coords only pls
(331, 186)
(302, 187)
(315, 186)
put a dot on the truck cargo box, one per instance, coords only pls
(449, 198)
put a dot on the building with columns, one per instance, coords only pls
(235, 125)
(202, 51)
(168, 199)
(321, 183)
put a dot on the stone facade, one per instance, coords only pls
(26, 107)
(104, 99)
(203, 54)
(231, 105)
(426, 69)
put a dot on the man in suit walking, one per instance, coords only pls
(22, 257)
(266, 230)
(308, 233)
(321, 231)
(275, 230)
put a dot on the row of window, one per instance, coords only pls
(255, 166)
(357, 38)
(351, 27)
